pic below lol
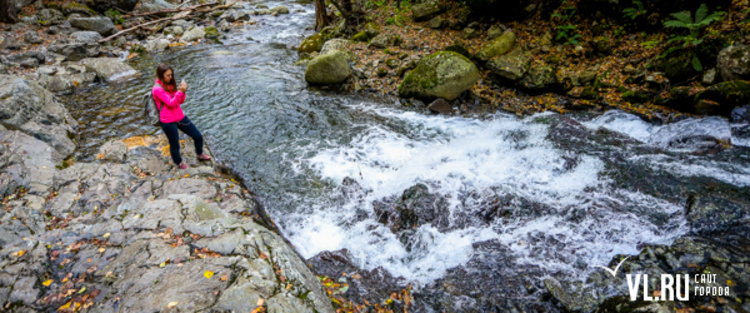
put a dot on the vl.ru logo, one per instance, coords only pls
(673, 287)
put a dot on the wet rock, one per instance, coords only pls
(76, 51)
(27, 106)
(440, 75)
(440, 106)
(193, 34)
(436, 23)
(225, 26)
(511, 66)
(727, 94)
(86, 36)
(375, 285)
(235, 15)
(426, 10)
(741, 114)
(416, 207)
(329, 68)
(108, 69)
(280, 10)
(709, 214)
(100, 24)
(114, 151)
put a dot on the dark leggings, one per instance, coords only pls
(187, 127)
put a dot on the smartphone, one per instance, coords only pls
(183, 81)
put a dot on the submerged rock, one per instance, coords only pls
(193, 34)
(441, 75)
(327, 69)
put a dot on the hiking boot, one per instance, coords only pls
(183, 166)
(204, 157)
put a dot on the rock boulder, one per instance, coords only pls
(327, 69)
(444, 75)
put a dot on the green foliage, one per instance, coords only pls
(693, 39)
(567, 31)
(400, 18)
(634, 12)
(372, 4)
(651, 44)
(115, 16)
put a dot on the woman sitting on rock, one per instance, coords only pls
(168, 97)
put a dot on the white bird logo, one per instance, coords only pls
(617, 268)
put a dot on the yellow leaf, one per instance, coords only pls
(82, 290)
(163, 264)
(101, 250)
(64, 307)
(46, 283)
(172, 304)
(208, 274)
(21, 253)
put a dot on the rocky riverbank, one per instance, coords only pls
(556, 59)
(130, 232)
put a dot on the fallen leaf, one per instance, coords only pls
(46, 283)
(163, 264)
(101, 250)
(106, 235)
(260, 302)
(172, 304)
(65, 306)
(208, 274)
(82, 290)
(223, 277)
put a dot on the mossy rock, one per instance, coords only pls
(460, 49)
(313, 43)
(511, 66)
(539, 77)
(637, 96)
(392, 63)
(727, 94)
(138, 49)
(73, 7)
(371, 30)
(382, 71)
(589, 93)
(497, 47)
(678, 66)
(327, 69)
(444, 74)
(361, 37)
(211, 32)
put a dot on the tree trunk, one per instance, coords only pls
(7, 12)
(321, 16)
(347, 5)
(398, 4)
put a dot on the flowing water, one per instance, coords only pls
(570, 199)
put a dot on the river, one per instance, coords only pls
(569, 200)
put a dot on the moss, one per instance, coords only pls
(361, 37)
(392, 63)
(371, 29)
(635, 96)
(314, 43)
(460, 49)
(138, 49)
(589, 93)
(211, 32)
(73, 7)
(382, 71)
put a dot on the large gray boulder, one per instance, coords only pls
(733, 62)
(76, 51)
(26, 106)
(67, 82)
(444, 74)
(86, 36)
(100, 24)
(426, 10)
(497, 47)
(327, 69)
(108, 69)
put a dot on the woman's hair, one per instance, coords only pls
(160, 70)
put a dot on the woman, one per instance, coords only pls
(168, 97)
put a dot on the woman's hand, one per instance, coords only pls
(183, 87)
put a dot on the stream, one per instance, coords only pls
(547, 195)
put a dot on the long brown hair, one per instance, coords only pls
(160, 70)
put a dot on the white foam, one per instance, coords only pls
(455, 155)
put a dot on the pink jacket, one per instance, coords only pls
(169, 103)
